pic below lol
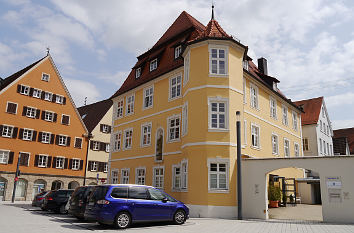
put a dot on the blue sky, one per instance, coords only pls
(309, 44)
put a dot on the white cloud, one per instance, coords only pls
(79, 90)
(341, 124)
(341, 99)
(116, 78)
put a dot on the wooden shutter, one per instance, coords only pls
(43, 115)
(36, 158)
(14, 132)
(19, 88)
(11, 157)
(55, 117)
(91, 145)
(31, 91)
(100, 166)
(101, 127)
(54, 98)
(54, 162)
(89, 167)
(43, 95)
(64, 100)
(38, 113)
(102, 146)
(20, 135)
(81, 164)
(24, 111)
(49, 161)
(57, 140)
(66, 163)
(40, 136)
(68, 139)
(34, 135)
(70, 164)
(109, 129)
(1, 126)
(52, 137)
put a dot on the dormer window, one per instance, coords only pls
(245, 64)
(138, 72)
(275, 86)
(153, 65)
(178, 51)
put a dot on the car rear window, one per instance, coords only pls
(78, 192)
(120, 192)
(99, 193)
(137, 193)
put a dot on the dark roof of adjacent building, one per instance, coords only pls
(312, 110)
(93, 113)
(349, 134)
(7, 81)
(340, 145)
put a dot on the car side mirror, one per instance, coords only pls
(164, 200)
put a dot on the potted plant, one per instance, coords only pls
(274, 196)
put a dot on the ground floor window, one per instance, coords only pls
(114, 177)
(180, 176)
(57, 185)
(21, 188)
(125, 176)
(140, 176)
(158, 178)
(218, 174)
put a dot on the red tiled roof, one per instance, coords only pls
(312, 110)
(347, 133)
(213, 30)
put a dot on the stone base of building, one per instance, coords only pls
(30, 184)
(209, 211)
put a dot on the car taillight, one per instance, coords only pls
(102, 202)
(40, 198)
(80, 203)
(49, 198)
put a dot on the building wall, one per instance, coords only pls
(324, 135)
(310, 132)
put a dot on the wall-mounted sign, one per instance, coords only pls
(334, 187)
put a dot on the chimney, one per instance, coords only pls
(262, 65)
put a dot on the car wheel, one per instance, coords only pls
(122, 220)
(62, 209)
(179, 217)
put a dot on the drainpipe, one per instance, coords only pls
(239, 182)
(89, 136)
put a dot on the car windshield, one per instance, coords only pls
(156, 194)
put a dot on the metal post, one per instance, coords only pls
(89, 136)
(15, 180)
(239, 181)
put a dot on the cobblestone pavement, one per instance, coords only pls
(22, 217)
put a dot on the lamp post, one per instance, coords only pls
(239, 182)
(89, 136)
(17, 174)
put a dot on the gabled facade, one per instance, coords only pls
(41, 130)
(174, 117)
(343, 140)
(98, 120)
(316, 128)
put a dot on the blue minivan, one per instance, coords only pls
(122, 204)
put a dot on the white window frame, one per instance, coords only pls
(107, 147)
(258, 137)
(7, 131)
(137, 72)
(31, 112)
(305, 144)
(149, 96)
(178, 51)
(28, 133)
(225, 59)
(295, 121)
(321, 125)
(63, 140)
(147, 134)
(130, 102)
(62, 115)
(169, 119)
(175, 185)
(43, 160)
(94, 166)
(273, 109)
(296, 151)
(45, 79)
(254, 100)
(320, 146)
(286, 149)
(124, 177)
(183, 176)
(62, 159)
(125, 146)
(24, 89)
(105, 128)
(218, 100)
(48, 116)
(48, 96)
(44, 137)
(277, 144)
(37, 93)
(185, 119)
(7, 106)
(227, 167)
(285, 117)
(59, 99)
(4, 156)
(177, 86)
(117, 144)
(95, 145)
(120, 105)
(75, 164)
(153, 65)
(114, 176)
(245, 65)
(186, 68)
(139, 177)
(105, 168)
(161, 177)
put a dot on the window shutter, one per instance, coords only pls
(54, 162)
(70, 164)
(14, 132)
(49, 162)
(18, 88)
(55, 117)
(52, 137)
(102, 146)
(11, 157)
(81, 164)
(43, 115)
(1, 126)
(89, 167)
(57, 140)
(66, 163)
(40, 136)
(100, 166)
(68, 141)
(20, 135)
(24, 111)
(101, 128)
(38, 112)
(42, 95)
(91, 145)
(109, 129)
(36, 158)
(54, 98)
(34, 135)
(26, 158)
(31, 91)
(64, 100)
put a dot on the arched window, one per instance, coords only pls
(159, 144)
(3, 184)
(73, 185)
(57, 184)
(38, 186)
(21, 188)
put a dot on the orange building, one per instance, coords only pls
(41, 130)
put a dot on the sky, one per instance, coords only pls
(309, 44)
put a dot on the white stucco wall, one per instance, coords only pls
(305, 192)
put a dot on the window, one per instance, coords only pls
(218, 61)
(114, 176)
(59, 99)
(48, 96)
(11, 108)
(158, 178)
(59, 162)
(65, 119)
(138, 72)
(42, 160)
(244, 91)
(176, 177)
(105, 128)
(323, 112)
(255, 136)
(245, 64)
(48, 116)
(175, 87)
(105, 168)
(62, 140)
(275, 145)
(117, 141)
(273, 108)
(130, 105)
(184, 167)
(153, 65)
(95, 145)
(78, 143)
(328, 131)
(75, 164)
(107, 147)
(218, 114)
(320, 145)
(320, 125)
(146, 134)
(125, 176)
(137, 193)
(186, 68)
(4, 156)
(45, 137)
(254, 96)
(140, 176)
(128, 138)
(185, 119)
(120, 192)
(285, 115)
(120, 108)
(295, 121)
(180, 176)
(159, 145)
(24, 159)
(24, 90)
(94, 165)
(173, 128)
(27, 134)
(324, 147)
(7, 131)
(324, 128)
(178, 51)
(245, 132)
(37, 93)
(328, 153)
(296, 150)
(218, 174)
(45, 77)
(30, 112)
(148, 97)
(286, 148)
(305, 144)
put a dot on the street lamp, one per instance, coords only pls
(239, 182)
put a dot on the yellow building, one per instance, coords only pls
(174, 122)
